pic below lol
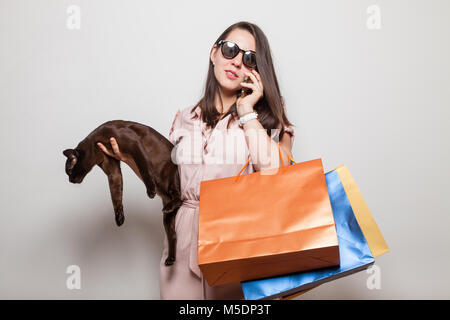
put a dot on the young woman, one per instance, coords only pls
(214, 139)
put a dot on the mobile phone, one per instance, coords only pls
(245, 91)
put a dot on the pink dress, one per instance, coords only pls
(201, 155)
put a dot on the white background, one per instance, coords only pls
(375, 100)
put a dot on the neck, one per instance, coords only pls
(227, 100)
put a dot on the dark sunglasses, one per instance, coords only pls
(230, 50)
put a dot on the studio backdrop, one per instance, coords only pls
(366, 84)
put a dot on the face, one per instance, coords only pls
(78, 164)
(228, 84)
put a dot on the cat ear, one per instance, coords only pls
(68, 152)
(72, 158)
(72, 153)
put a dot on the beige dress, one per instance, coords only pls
(201, 155)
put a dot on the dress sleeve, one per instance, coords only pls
(290, 130)
(174, 133)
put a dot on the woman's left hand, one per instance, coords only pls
(245, 105)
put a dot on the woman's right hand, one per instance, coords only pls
(116, 151)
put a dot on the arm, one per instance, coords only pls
(262, 148)
(116, 154)
(258, 141)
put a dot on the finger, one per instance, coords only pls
(252, 76)
(114, 145)
(103, 148)
(256, 74)
(249, 85)
(259, 85)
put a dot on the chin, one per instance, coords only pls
(228, 88)
(228, 85)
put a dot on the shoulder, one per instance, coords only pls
(190, 111)
(183, 121)
(185, 114)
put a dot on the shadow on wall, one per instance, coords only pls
(141, 228)
(104, 250)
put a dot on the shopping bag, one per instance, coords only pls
(375, 240)
(260, 225)
(369, 227)
(360, 241)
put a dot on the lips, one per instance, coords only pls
(235, 74)
(231, 74)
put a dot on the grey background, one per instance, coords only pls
(374, 100)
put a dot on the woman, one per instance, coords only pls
(214, 123)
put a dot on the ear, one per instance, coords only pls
(68, 152)
(213, 53)
(71, 153)
(72, 158)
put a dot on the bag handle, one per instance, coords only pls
(281, 158)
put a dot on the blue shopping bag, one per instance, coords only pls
(354, 251)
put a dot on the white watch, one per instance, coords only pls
(247, 117)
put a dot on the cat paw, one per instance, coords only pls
(169, 261)
(151, 194)
(120, 218)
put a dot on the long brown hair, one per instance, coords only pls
(270, 107)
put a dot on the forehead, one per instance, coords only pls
(243, 39)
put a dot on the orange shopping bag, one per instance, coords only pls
(261, 225)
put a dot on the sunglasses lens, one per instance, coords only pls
(229, 50)
(249, 59)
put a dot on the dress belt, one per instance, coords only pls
(191, 203)
(193, 250)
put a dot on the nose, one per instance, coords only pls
(237, 61)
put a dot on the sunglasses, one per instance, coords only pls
(230, 50)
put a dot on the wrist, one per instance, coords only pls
(243, 110)
(249, 123)
(247, 117)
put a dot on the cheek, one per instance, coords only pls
(220, 64)
(219, 72)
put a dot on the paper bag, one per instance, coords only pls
(359, 242)
(263, 225)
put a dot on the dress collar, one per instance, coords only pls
(197, 112)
